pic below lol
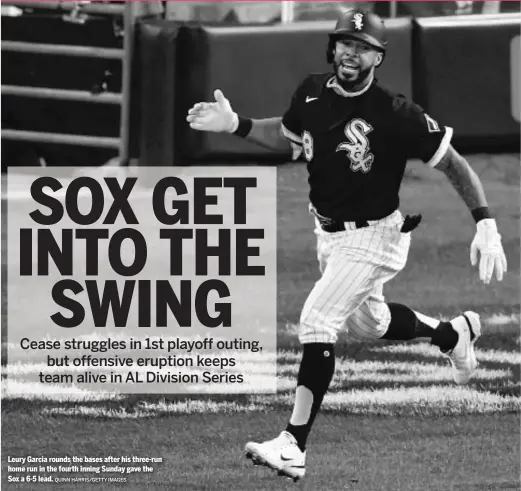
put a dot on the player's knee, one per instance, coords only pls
(368, 324)
(319, 325)
(311, 331)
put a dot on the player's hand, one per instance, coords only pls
(215, 116)
(487, 244)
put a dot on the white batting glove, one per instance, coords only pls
(487, 243)
(215, 116)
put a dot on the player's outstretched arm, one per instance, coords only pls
(219, 117)
(486, 246)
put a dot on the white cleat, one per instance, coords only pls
(281, 454)
(462, 357)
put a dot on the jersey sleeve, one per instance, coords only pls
(292, 125)
(424, 138)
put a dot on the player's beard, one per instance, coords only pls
(364, 75)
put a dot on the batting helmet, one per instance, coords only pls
(358, 24)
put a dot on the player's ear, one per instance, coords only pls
(379, 59)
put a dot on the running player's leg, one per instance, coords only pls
(342, 288)
(376, 319)
(406, 324)
(353, 264)
(356, 267)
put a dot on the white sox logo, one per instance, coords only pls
(358, 20)
(358, 147)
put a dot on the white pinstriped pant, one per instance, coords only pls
(354, 264)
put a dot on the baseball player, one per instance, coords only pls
(356, 137)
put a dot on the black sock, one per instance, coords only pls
(405, 325)
(445, 337)
(316, 371)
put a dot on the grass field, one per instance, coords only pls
(393, 419)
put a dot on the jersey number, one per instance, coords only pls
(357, 148)
(307, 145)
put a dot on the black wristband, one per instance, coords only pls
(481, 213)
(244, 128)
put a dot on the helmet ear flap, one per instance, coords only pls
(330, 55)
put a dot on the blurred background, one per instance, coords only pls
(266, 12)
(77, 86)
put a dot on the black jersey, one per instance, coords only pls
(357, 145)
